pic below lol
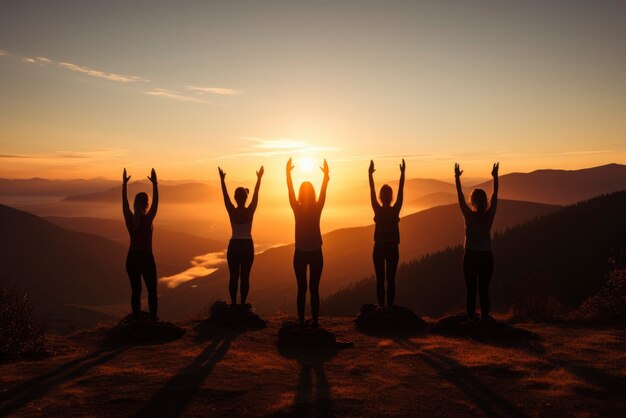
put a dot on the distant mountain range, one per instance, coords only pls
(347, 258)
(562, 257)
(177, 193)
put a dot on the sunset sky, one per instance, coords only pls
(90, 87)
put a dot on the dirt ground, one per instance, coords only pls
(575, 372)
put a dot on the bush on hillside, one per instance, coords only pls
(608, 306)
(21, 335)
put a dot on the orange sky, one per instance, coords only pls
(90, 89)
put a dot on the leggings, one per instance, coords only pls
(240, 256)
(477, 268)
(315, 261)
(386, 258)
(141, 263)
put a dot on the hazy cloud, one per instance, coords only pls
(170, 94)
(28, 60)
(213, 90)
(44, 59)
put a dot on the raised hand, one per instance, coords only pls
(457, 170)
(125, 178)
(153, 177)
(494, 171)
(371, 169)
(259, 173)
(289, 166)
(222, 173)
(325, 169)
(402, 166)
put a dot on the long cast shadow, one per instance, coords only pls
(611, 383)
(490, 403)
(37, 387)
(173, 398)
(312, 397)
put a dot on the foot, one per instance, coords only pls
(472, 317)
(487, 318)
(315, 324)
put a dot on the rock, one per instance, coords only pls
(144, 329)
(292, 334)
(373, 317)
(235, 316)
(460, 325)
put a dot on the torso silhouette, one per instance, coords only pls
(387, 219)
(478, 229)
(140, 230)
(241, 222)
(308, 233)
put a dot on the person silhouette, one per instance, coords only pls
(240, 253)
(478, 258)
(386, 235)
(307, 211)
(140, 260)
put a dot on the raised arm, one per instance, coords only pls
(373, 199)
(128, 215)
(255, 195)
(229, 205)
(494, 197)
(155, 194)
(400, 198)
(292, 195)
(322, 198)
(459, 190)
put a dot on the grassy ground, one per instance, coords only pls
(577, 372)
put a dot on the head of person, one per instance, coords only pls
(478, 199)
(141, 203)
(241, 195)
(385, 195)
(306, 194)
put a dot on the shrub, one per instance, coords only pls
(21, 335)
(608, 306)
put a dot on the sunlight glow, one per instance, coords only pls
(305, 164)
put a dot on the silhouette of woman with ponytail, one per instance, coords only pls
(140, 260)
(386, 235)
(307, 211)
(240, 253)
(478, 258)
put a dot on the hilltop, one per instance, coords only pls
(574, 372)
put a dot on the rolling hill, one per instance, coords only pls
(57, 266)
(561, 187)
(172, 249)
(347, 257)
(563, 256)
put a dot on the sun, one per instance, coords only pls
(306, 164)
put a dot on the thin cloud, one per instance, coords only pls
(101, 74)
(273, 147)
(213, 90)
(198, 91)
(170, 94)
(69, 155)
